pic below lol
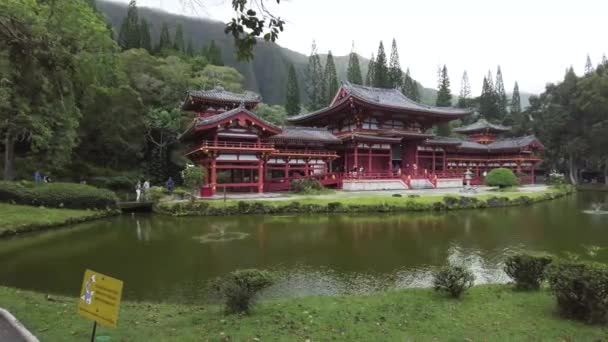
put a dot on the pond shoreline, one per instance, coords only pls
(363, 204)
(65, 222)
(495, 311)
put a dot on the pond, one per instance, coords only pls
(162, 258)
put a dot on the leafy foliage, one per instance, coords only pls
(453, 280)
(528, 270)
(193, 177)
(581, 290)
(57, 195)
(239, 288)
(306, 185)
(501, 177)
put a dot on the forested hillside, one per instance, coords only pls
(266, 74)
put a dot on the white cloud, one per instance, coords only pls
(534, 41)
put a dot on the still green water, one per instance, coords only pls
(162, 258)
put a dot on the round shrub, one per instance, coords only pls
(239, 288)
(193, 178)
(57, 195)
(453, 280)
(501, 178)
(581, 289)
(306, 185)
(527, 270)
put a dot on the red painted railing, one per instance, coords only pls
(229, 145)
(306, 153)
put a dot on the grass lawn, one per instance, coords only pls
(486, 313)
(23, 217)
(373, 199)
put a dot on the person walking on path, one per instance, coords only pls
(146, 189)
(137, 191)
(170, 184)
(37, 177)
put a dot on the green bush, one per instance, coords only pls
(239, 289)
(193, 178)
(57, 195)
(501, 178)
(453, 280)
(527, 270)
(123, 183)
(156, 193)
(581, 289)
(306, 185)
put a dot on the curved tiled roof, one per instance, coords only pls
(503, 144)
(388, 98)
(204, 121)
(306, 134)
(220, 94)
(482, 125)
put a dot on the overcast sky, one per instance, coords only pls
(533, 41)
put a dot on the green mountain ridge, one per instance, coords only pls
(266, 74)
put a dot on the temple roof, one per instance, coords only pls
(306, 134)
(482, 125)
(498, 145)
(218, 118)
(219, 95)
(391, 99)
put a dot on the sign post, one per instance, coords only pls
(100, 299)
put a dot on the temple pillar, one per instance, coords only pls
(213, 176)
(390, 159)
(356, 157)
(434, 169)
(286, 167)
(306, 167)
(445, 161)
(261, 175)
(369, 158)
(532, 174)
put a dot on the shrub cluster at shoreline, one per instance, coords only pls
(57, 195)
(210, 208)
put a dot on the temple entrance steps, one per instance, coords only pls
(422, 183)
(373, 184)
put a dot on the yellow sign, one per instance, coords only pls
(100, 298)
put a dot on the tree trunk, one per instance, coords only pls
(572, 170)
(9, 157)
(606, 173)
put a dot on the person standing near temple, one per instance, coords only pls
(137, 191)
(37, 177)
(170, 184)
(146, 189)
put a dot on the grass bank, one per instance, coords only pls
(17, 219)
(363, 203)
(486, 313)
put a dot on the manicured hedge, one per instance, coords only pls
(203, 208)
(581, 289)
(57, 195)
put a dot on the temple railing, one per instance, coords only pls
(232, 146)
(304, 153)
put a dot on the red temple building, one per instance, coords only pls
(367, 138)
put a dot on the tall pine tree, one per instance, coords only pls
(371, 68)
(588, 66)
(444, 99)
(353, 72)
(501, 95)
(464, 100)
(513, 117)
(444, 95)
(330, 77)
(129, 36)
(178, 41)
(190, 48)
(144, 32)
(381, 77)
(214, 54)
(415, 91)
(314, 80)
(164, 42)
(292, 96)
(407, 84)
(395, 74)
(487, 101)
